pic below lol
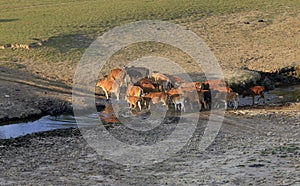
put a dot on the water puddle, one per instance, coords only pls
(287, 94)
(125, 115)
(45, 123)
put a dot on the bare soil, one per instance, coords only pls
(256, 146)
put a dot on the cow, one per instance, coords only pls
(253, 91)
(177, 98)
(163, 81)
(178, 101)
(218, 85)
(117, 73)
(232, 97)
(174, 91)
(191, 95)
(134, 74)
(176, 80)
(155, 97)
(147, 85)
(134, 96)
(109, 85)
(134, 101)
(195, 85)
(134, 91)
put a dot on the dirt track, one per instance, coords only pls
(254, 147)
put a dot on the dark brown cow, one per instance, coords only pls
(163, 81)
(147, 85)
(134, 74)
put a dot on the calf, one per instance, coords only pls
(134, 101)
(190, 95)
(109, 85)
(253, 91)
(232, 97)
(178, 101)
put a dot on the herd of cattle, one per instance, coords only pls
(144, 88)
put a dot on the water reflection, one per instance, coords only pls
(45, 123)
(135, 119)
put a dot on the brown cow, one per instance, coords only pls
(253, 91)
(191, 95)
(226, 96)
(147, 87)
(155, 97)
(109, 85)
(177, 98)
(204, 98)
(134, 101)
(118, 75)
(218, 85)
(133, 96)
(134, 91)
(195, 85)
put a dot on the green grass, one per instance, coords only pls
(71, 25)
(282, 151)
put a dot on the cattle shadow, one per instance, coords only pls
(67, 42)
(7, 20)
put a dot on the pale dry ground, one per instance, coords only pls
(264, 46)
(254, 147)
(239, 41)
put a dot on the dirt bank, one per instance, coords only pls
(253, 147)
(24, 96)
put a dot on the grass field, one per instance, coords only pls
(71, 25)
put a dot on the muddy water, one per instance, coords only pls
(133, 118)
(45, 123)
(287, 94)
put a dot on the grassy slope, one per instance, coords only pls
(71, 25)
